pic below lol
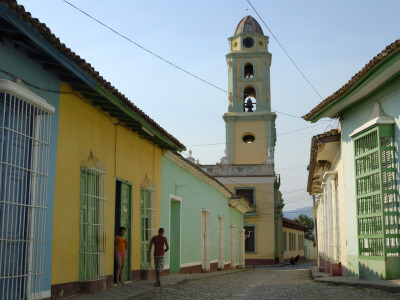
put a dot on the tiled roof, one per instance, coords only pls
(313, 153)
(293, 224)
(46, 33)
(356, 78)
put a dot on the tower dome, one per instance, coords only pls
(249, 25)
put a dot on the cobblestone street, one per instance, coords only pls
(268, 283)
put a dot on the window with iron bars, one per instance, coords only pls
(292, 241)
(148, 228)
(24, 155)
(92, 231)
(247, 193)
(300, 242)
(376, 192)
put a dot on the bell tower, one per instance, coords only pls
(250, 124)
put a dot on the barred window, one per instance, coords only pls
(376, 192)
(292, 241)
(248, 194)
(92, 229)
(148, 209)
(24, 157)
(300, 242)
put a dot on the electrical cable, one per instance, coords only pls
(291, 59)
(166, 60)
(283, 133)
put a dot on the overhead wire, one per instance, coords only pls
(283, 133)
(284, 50)
(166, 60)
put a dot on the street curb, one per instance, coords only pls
(384, 285)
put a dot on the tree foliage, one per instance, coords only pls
(309, 222)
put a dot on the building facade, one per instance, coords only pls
(293, 239)
(248, 166)
(28, 143)
(325, 183)
(202, 220)
(368, 109)
(78, 161)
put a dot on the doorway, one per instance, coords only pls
(205, 240)
(175, 237)
(123, 196)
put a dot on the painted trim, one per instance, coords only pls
(17, 89)
(246, 180)
(190, 264)
(367, 79)
(371, 123)
(181, 162)
(245, 116)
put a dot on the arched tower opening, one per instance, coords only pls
(249, 99)
(248, 70)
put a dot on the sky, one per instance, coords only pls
(330, 41)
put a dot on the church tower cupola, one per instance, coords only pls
(250, 125)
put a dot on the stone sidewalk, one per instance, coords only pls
(135, 288)
(387, 285)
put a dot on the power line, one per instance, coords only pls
(166, 60)
(240, 141)
(291, 59)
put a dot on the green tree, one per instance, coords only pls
(309, 222)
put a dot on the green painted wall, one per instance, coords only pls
(352, 119)
(196, 196)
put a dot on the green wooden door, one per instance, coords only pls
(89, 231)
(125, 219)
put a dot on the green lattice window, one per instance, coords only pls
(376, 189)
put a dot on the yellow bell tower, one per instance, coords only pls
(250, 124)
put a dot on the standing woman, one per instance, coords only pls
(121, 244)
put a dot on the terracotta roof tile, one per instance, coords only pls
(292, 223)
(43, 30)
(390, 49)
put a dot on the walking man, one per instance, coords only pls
(158, 241)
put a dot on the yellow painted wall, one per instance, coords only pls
(254, 153)
(293, 253)
(265, 239)
(82, 127)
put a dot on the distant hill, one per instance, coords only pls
(291, 214)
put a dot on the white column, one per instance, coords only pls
(334, 219)
(325, 221)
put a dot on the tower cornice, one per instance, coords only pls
(245, 116)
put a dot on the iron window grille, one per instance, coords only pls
(25, 123)
(376, 193)
(93, 210)
(300, 242)
(148, 210)
(292, 241)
